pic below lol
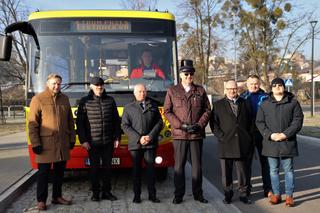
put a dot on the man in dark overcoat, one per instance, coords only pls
(279, 119)
(142, 122)
(231, 124)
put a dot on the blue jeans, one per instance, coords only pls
(287, 165)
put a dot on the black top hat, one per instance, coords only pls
(96, 81)
(186, 66)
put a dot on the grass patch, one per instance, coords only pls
(311, 126)
(10, 128)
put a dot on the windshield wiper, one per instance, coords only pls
(67, 85)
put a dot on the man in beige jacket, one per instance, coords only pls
(52, 135)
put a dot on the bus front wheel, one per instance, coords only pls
(162, 173)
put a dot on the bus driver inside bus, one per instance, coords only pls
(147, 69)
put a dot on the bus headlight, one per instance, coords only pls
(167, 133)
(158, 160)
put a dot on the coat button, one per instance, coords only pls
(236, 134)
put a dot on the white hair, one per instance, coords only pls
(92, 85)
(137, 86)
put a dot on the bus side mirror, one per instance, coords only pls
(5, 47)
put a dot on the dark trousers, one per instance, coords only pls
(149, 156)
(100, 160)
(265, 169)
(226, 173)
(181, 148)
(43, 176)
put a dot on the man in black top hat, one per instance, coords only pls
(98, 125)
(188, 110)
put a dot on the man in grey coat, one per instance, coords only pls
(142, 122)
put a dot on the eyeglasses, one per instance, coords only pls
(187, 74)
(275, 85)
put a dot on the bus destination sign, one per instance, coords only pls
(102, 26)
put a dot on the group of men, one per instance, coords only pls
(268, 122)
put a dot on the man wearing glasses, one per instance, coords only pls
(279, 119)
(231, 124)
(188, 110)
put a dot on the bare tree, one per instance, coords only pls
(139, 4)
(295, 38)
(197, 40)
(13, 11)
(269, 32)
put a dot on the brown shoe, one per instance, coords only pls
(61, 200)
(275, 199)
(41, 206)
(289, 201)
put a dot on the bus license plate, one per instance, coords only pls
(114, 161)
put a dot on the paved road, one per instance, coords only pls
(77, 187)
(14, 163)
(307, 171)
(14, 159)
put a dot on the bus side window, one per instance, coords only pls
(36, 61)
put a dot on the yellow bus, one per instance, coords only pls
(80, 44)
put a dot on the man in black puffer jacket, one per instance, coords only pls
(279, 119)
(98, 125)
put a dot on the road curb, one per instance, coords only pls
(213, 195)
(16, 189)
(312, 139)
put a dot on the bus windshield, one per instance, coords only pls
(121, 59)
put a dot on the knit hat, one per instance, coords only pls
(96, 81)
(277, 81)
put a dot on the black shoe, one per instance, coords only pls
(154, 199)
(245, 200)
(177, 200)
(95, 197)
(228, 197)
(108, 196)
(227, 200)
(201, 199)
(136, 199)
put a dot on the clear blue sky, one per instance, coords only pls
(89, 4)
(170, 5)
